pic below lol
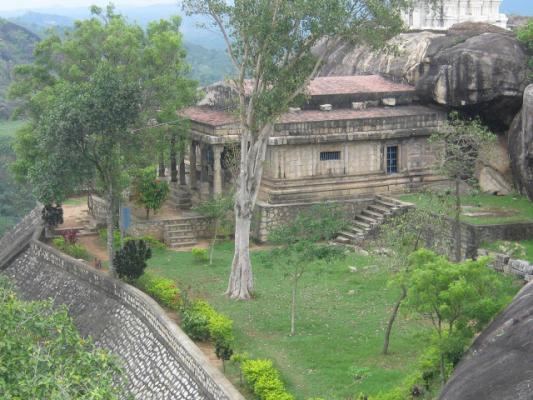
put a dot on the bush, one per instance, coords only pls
(150, 241)
(102, 233)
(264, 380)
(195, 325)
(163, 290)
(199, 254)
(130, 261)
(73, 250)
(52, 216)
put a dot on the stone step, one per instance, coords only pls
(342, 240)
(359, 231)
(351, 235)
(376, 215)
(380, 209)
(180, 243)
(172, 235)
(178, 227)
(387, 204)
(363, 225)
(366, 219)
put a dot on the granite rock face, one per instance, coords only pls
(498, 365)
(521, 145)
(474, 67)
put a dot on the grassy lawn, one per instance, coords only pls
(485, 209)
(8, 128)
(522, 250)
(340, 322)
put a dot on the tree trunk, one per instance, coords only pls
(457, 222)
(110, 228)
(392, 319)
(161, 169)
(442, 370)
(240, 285)
(182, 169)
(212, 250)
(293, 306)
(173, 163)
(147, 213)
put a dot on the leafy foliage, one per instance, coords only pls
(42, 356)
(130, 261)
(75, 250)
(459, 299)
(150, 192)
(199, 254)
(163, 290)
(264, 380)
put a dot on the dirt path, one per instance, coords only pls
(94, 246)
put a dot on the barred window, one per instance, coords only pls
(330, 155)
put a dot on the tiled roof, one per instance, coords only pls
(208, 116)
(347, 114)
(216, 118)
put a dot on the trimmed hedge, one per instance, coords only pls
(264, 380)
(163, 290)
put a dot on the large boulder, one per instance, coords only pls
(521, 145)
(498, 365)
(474, 67)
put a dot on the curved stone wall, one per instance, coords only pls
(160, 361)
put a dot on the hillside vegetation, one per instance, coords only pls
(16, 47)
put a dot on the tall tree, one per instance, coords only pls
(459, 146)
(277, 47)
(84, 95)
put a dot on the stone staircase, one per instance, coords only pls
(179, 233)
(180, 196)
(367, 221)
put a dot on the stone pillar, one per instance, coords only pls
(204, 181)
(217, 170)
(192, 165)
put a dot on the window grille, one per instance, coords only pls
(392, 159)
(330, 155)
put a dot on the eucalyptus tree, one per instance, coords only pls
(277, 47)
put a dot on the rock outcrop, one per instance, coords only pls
(498, 365)
(474, 67)
(521, 146)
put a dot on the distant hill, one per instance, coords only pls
(16, 47)
(208, 65)
(40, 23)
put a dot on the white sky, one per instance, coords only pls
(9, 5)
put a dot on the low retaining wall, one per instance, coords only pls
(97, 208)
(160, 361)
(269, 216)
(201, 226)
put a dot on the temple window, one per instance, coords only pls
(330, 155)
(392, 159)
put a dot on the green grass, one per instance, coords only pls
(522, 250)
(340, 321)
(8, 127)
(75, 201)
(496, 209)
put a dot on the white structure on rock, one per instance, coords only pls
(444, 13)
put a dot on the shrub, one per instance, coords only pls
(150, 241)
(264, 380)
(102, 233)
(52, 216)
(163, 290)
(200, 254)
(195, 325)
(71, 236)
(130, 261)
(73, 250)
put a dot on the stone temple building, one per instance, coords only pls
(444, 13)
(354, 138)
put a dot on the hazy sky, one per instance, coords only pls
(35, 4)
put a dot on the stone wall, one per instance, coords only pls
(160, 361)
(269, 216)
(17, 237)
(201, 226)
(97, 208)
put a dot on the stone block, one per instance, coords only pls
(326, 107)
(358, 105)
(389, 101)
